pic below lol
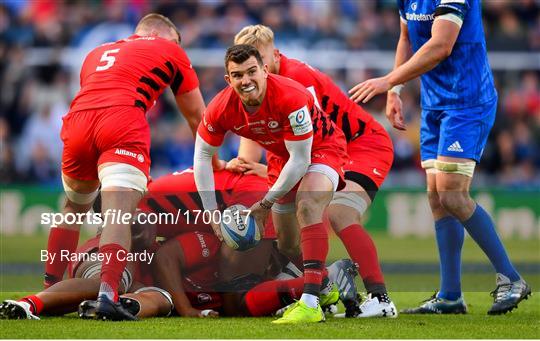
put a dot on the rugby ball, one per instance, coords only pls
(238, 232)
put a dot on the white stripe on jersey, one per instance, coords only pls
(452, 2)
(451, 17)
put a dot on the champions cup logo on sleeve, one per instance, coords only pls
(300, 121)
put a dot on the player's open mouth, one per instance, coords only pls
(248, 89)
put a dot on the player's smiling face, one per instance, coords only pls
(248, 79)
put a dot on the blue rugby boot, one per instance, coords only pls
(508, 294)
(436, 305)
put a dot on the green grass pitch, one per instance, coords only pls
(406, 289)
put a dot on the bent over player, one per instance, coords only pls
(107, 139)
(459, 102)
(370, 155)
(277, 113)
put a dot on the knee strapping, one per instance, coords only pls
(123, 175)
(79, 198)
(463, 168)
(429, 166)
(351, 200)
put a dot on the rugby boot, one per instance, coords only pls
(508, 294)
(16, 310)
(114, 311)
(436, 305)
(343, 273)
(87, 309)
(299, 312)
(378, 305)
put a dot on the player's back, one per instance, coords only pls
(347, 115)
(132, 72)
(177, 194)
(464, 79)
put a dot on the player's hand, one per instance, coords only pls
(255, 168)
(365, 91)
(216, 228)
(192, 312)
(260, 214)
(236, 165)
(394, 111)
(218, 164)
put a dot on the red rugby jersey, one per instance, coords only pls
(283, 115)
(349, 116)
(133, 72)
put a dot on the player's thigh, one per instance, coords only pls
(448, 181)
(371, 156)
(79, 153)
(153, 302)
(429, 134)
(464, 132)
(123, 137)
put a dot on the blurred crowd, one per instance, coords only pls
(34, 96)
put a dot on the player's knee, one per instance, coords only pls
(123, 175)
(453, 201)
(307, 209)
(346, 209)
(289, 248)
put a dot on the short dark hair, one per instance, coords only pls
(240, 53)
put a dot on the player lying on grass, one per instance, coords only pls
(370, 156)
(141, 298)
(306, 152)
(188, 273)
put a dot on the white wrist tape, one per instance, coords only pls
(397, 89)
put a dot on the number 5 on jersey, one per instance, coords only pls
(108, 58)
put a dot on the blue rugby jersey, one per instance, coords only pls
(464, 79)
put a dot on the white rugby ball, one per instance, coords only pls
(238, 232)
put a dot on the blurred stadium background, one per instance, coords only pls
(43, 43)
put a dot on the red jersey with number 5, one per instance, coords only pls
(133, 72)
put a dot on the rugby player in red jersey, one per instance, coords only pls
(107, 139)
(303, 147)
(370, 152)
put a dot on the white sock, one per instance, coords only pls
(311, 301)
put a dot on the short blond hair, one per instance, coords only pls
(255, 35)
(158, 22)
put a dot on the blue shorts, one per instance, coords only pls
(458, 133)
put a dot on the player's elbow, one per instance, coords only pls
(442, 50)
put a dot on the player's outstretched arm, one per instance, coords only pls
(167, 269)
(444, 34)
(204, 178)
